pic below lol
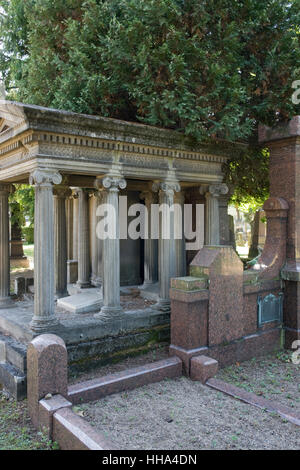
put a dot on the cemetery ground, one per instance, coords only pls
(181, 414)
(178, 414)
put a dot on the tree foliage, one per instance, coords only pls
(209, 68)
(22, 208)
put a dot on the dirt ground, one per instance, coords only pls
(181, 414)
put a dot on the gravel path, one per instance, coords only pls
(181, 414)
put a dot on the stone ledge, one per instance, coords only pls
(126, 380)
(248, 397)
(72, 432)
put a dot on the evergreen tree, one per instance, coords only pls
(209, 68)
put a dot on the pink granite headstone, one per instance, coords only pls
(47, 371)
(225, 272)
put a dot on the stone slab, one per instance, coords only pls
(13, 352)
(13, 380)
(126, 380)
(81, 303)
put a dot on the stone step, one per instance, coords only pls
(13, 352)
(13, 380)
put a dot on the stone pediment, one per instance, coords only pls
(12, 120)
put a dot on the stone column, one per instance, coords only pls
(75, 225)
(44, 314)
(5, 300)
(166, 246)
(212, 218)
(84, 267)
(61, 193)
(98, 281)
(111, 249)
(70, 228)
(180, 242)
(224, 218)
(151, 245)
(96, 246)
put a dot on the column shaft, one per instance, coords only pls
(84, 268)
(60, 241)
(5, 299)
(75, 226)
(111, 249)
(150, 245)
(70, 228)
(166, 250)
(179, 230)
(44, 314)
(212, 218)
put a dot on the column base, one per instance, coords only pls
(96, 282)
(109, 313)
(38, 325)
(147, 284)
(163, 305)
(6, 302)
(83, 285)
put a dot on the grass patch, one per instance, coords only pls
(16, 430)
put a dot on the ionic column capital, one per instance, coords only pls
(167, 187)
(45, 177)
(217, 190)
(111, 183)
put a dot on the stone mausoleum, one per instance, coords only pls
(75, 162)
(113, 297)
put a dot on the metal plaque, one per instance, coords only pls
(269, 308)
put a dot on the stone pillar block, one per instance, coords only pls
(47, 371)
(203, 368)
(189, 318)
